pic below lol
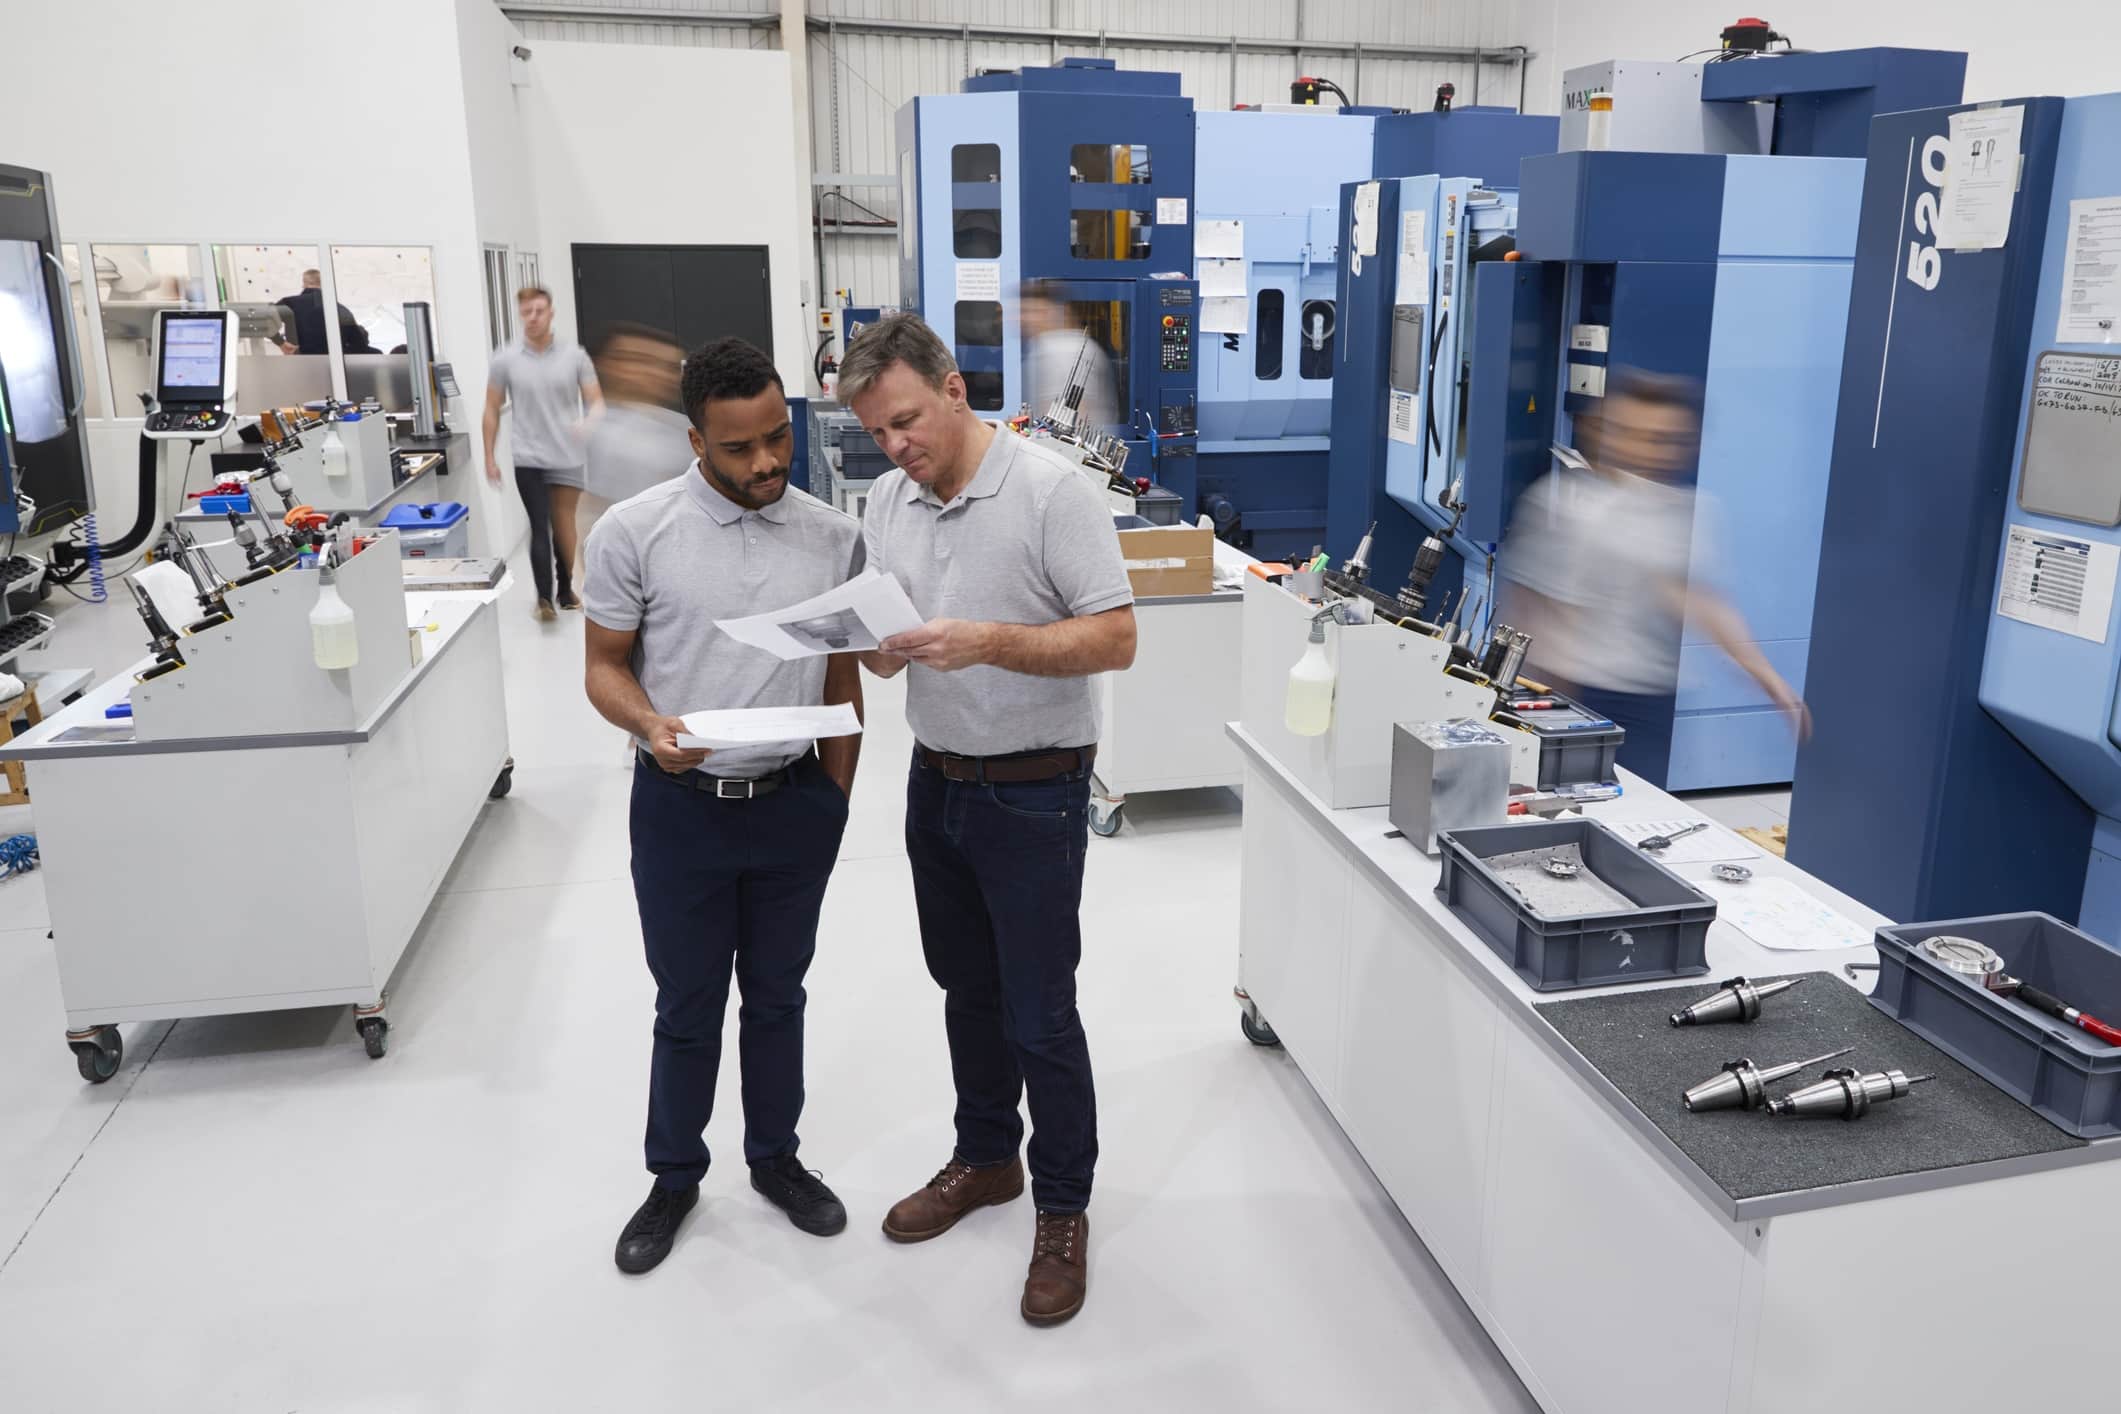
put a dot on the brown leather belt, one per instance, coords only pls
(1008, 770)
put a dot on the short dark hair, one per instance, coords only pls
(896, 338)
(725, 368)
(618, 329)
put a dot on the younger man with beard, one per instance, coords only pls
(731, 848)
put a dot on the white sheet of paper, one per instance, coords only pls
(1981, 179)
(758, 726)
(171, 591)
(981, 280)
(1411, 285)
(1400, 424)
(1170, 211)
(1226, 314)
(1221, 278)
(2091, 274)
(1218, 240)
(1702, 847)
(1776, 914)
(2057, 581)
(853, 618)
(1363, 230)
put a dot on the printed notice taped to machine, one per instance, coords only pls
(764, 726)
(1776, 914)
(854, 618)
(2091, 274)
(1219, 240)
(979, 280)
(1363, 227)
(1225, 314)
(1589, 338)
(2058, 582)
(1711, 846)
(1221, 279)
(1981, 180)
(1401, 423)
(1413, 283)
(1170, 211)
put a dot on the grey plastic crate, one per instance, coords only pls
(1583, 755)
(2061, 1072)
(1664, 935)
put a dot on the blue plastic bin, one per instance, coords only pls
(437, 530)
(222, 505)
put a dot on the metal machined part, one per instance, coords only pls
(1843, 1093)
(1736, 1000)
(1976, 962)
(1731, 873)
(1743, 1085)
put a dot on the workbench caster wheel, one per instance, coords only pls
(375, 1035)
(1105, 823)
(503, 782)
(98, 1054)
(1255, 1027)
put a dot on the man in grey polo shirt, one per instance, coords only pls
(1008, 552)
(731, 848)
(551, 387)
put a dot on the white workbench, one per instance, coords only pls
(1612, 1273)
(204, 876)
(1163, 717)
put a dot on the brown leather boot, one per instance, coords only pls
(1060, 1269)
(952, 1193)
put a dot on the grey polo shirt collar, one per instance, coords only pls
(720, 508)
(987, 481)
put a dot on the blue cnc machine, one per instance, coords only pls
(1729, 267)
(1080, 175)
(1965, 656)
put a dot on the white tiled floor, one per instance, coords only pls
(253, 1216)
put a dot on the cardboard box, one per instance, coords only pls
(1169, 559)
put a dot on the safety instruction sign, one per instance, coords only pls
(2058, 582)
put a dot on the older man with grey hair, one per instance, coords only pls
(1010, 556)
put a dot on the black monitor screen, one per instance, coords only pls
(192, 353)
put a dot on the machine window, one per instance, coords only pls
(1266, 337)
(976, 162)
(1109, 235)
(1124, 163)
(978, 325)
(375, 283)
(282, 349)
(976, 234)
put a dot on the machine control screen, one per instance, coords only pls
(1176, 343)
(192, 358)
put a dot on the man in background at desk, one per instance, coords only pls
(307, 309)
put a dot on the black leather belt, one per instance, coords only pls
(723, 787)
(1009, 770)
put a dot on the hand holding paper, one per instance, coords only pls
(758, 726)
(854, 618)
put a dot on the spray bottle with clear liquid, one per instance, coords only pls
(1308, 710)
(334, 637)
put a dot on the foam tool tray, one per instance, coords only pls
(1957, 1119)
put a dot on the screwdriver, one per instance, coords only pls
(1657, 842)
(2062, 1011)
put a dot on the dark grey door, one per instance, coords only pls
(694, 292)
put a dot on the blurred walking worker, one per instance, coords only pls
(549, 386)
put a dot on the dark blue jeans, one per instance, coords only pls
(727, 884)
(998, 878)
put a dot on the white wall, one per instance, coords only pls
(2061, 47)
(670, 146)
(100, 104)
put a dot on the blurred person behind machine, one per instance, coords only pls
(1057, 349)
(1599, 565)
(639, 438)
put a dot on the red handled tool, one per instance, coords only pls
(2062, 1011)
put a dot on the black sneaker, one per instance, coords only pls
(646, 1238)
(799, 1193)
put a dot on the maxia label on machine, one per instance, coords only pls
(1177, 295)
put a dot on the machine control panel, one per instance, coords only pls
(1176, 344)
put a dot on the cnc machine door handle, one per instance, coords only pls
(73, 335)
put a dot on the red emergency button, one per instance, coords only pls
(1169, 321)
